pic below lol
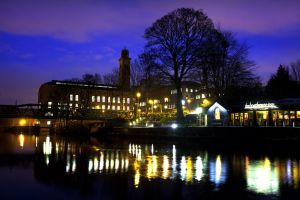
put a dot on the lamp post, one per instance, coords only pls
(138, 95)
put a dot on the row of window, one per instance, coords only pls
(109, 99)
(186, 90)
(113, 107)
(72, 97)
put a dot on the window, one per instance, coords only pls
(76, 97)
(202, 96)
(113, 108)
(128, 100)
(124, 100)
(98, 98)
(114, 100)
(192, 90)
(49, 104)
(108, 107)
(197, 96)
(48, 123)
(71, 97)
(76, 105)
(119, 101)
(103, 98)
(298, 114)
(93, 98)
(70, 105)
(124, 107)
(166, 99)
(196, 90)
(103, 107)
(128, 108)
(187, 89)
(118, 107)
(108, 99)
(143, 103)
(217, 114)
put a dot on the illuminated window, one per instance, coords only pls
(124, 100)
(70, 105)
(128, 100)
(124, 107)
(197, 96)
(76, 97)
(113, 107)
(192, 90)
(48, 123)
(217, 114)
(187, 89)
(114, 100)
(103, 98)
(196, 90)
(98, 98)
(119, 100)
(108, 99)
(93, 98)
(103, 107)
(128, 108)
(202, 96)
(298, 114)
(118, 107)
(166, 99)
(76, 105)
(71, 97)
(108, 107)
(49, 104)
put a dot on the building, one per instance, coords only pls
(67, 98)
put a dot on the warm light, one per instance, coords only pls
(21, 139)
(206, 102)
(150, 101)
(22, 122)
(137, 178)
(165, 167)
(138, 94)
(166, 99)
(155, 106)
(189, 101)
(155, 101)
(165, 107)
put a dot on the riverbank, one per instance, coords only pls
(207, 133)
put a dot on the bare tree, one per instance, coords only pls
(174, 42)
(112, 78)
(136, 73)
(295, 70)
(225, 64)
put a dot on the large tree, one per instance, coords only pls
(225, 64)
(174, 41)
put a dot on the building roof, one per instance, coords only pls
(81, 84)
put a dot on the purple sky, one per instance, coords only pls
(42, 40)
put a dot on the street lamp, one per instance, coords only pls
(138, 95)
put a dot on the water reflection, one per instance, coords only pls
(149, 162)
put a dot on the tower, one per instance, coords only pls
(124, 70)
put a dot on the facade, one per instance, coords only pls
(56, 97)
(284, 112)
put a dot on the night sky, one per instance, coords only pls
(43, 40)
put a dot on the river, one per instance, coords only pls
(53, 167)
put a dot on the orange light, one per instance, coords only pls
(22, 122)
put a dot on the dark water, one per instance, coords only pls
(49, 167)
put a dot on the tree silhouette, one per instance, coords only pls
(174, 42)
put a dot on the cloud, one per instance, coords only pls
(81, 20)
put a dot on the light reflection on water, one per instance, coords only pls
(167, 162)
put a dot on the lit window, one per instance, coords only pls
(119, 100)
(76, 97)
(192, 90)
(93, 98)
(124, 107)
(187, 89)
(128, 100)
(103, 98)
(108, 107)
(49, 104)
(202, 96)
(197, 96)
(71, 97)
(98, 98)
(217, 114)
(143, 104)
(113, 99)
(124, 100)
(48, 123)
(70, 105)
(113, 107)
(166, 99)
(298, 114)
(108, 99)
(128, 108)
(196, 90)
(118, 107)
(103, 107)
(76, 105)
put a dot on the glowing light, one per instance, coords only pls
(217, 105)
(165, 167)
(189, 169)
(21, 140)
(174, 126)
(183, 168)
(47, 146)
(262, 178)
(218, 169)
(199, 168)
(260, 106)
(137, 177)
(138, 94)
(101, 163)
(90, 168)
(22, 122)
